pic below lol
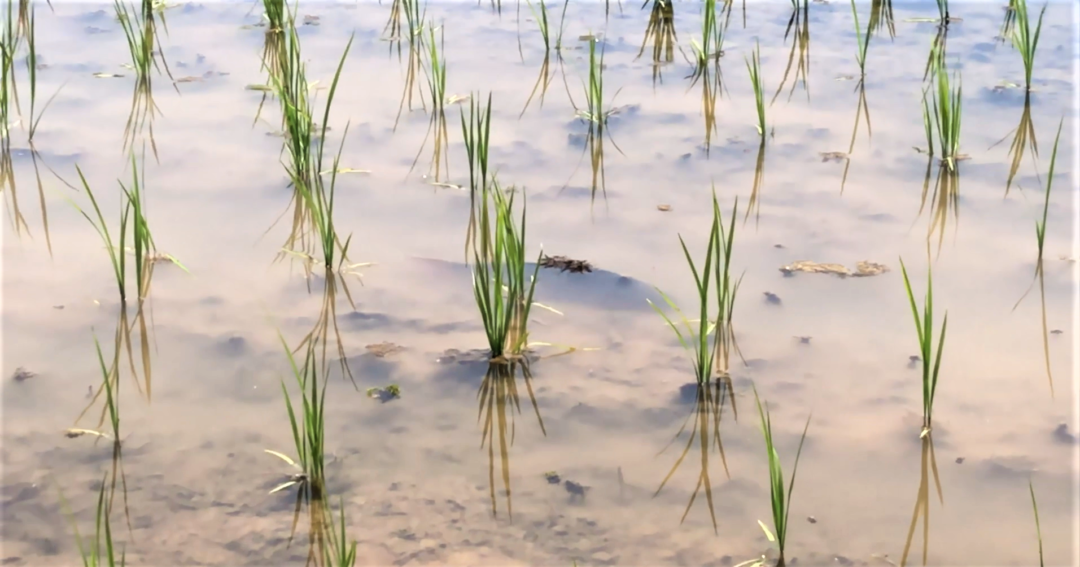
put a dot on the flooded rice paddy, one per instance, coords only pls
(432, 476)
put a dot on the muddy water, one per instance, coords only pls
(417, 481)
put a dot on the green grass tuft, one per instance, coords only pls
(924, 328)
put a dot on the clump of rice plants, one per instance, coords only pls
(661, 32)
(139, 35)
(436, 79)
(709, 48)
(946, 103)
(1024, 40)
(276, 15)
(753, 66)
(862, 43)
(101, 550)
(543, 78)
(778, 495)
(595, 114)
(881, 15)
(414, 17)
(705, 351)
(9, 100)
(931, 357)
(309, 438)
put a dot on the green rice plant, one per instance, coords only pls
(753, 66)
(862, 43)
(498, 399)
(91, 551)
(308, 425)
(502, 270)
(112, 404)
(706, 414)
(414, 65)
(945, 119)
(799, 22)
(660, 32)
(1007, 23)
(276, 14)
(881, 15)
(477, 133)
(927, 467)
(595, 114)
(139, 35)
(1038, 529)
(778, 495)
(9, 100)
(436, 79)
(705, 351)
(924, 328)
(1040, 238)
(706, 49)
(936, 56)
(943, 12)
(1023, 40)
(862, 110)
(337, 550)
(543, 78)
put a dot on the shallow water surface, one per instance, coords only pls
(423, 480)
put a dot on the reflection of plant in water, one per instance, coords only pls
(277, 20)
(1038, 529)
(414, 61)
(943, 124)
(1040, 236)
(881, 15)
(928, 465)
(862, 109)
(661, 32)
(1023, 140)
(436, 79)
(710, 76)
(708, 410)
(543, 78)
(498, 391)
(140, 30)
(91, 551)
(924, 328)
(800, 23)
(778, 495)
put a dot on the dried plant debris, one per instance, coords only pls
(21, 374)
(838, 157)
(386, 394)
(552, 477)
(862, 269)
(383, 349)
(663, 208)
(576, 490)
(477, 356)
(565, 264)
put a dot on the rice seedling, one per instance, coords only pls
(1040, 238)
(862, 43)
(799, 22)
(414, 62)
(477, 133)
(778, 495)
(705, 351)
(1038, 529)
(595, 114)
(309, 439)
(881, 15)
(707, 413)
(112, 403)
(498, 393)
(543, 78)
(501, 269)
(436, 79)
(943, 12)
(276, 15)
(660, 32)
(936, 57)
(1007, 22)
(337, 550)
(9, 100)
(1022, 38)
(138, 32)
(931, 358)
(753, 66)
(91, 551)
(707, 49)
(392, 29)
(945, 120)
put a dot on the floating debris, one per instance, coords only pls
(565, 264)
(1056, 332)
(772, 299)
(76, 432)
(383, 349)
(310, 20)
(837, 157)
(107, 75)
(663, 208)
(803, 340)
(576, 490)
(862, 269)
(913, 360)
(960, 460)
(389, 393)
(260, 88)
(811, 519)
(21, 374)
(552, 477)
